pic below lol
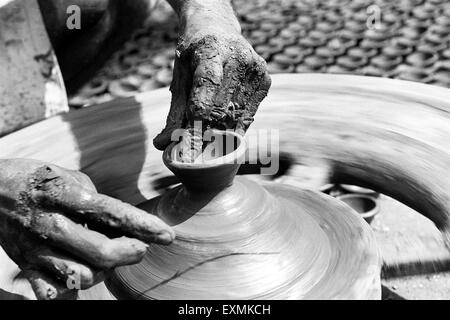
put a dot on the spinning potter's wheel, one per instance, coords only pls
(388, 135)
(244, 241)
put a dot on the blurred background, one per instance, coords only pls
(405, 39)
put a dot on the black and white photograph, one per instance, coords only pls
(225, 155)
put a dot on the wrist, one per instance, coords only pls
(206, 16)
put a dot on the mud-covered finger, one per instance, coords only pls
(47, 288)
(69, 270)
(84, 180)
(90, 246)
(206, 82)
(178, 106)
(224, 113)
(99, 210)
(250, 95)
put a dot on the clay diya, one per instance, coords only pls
(367, 206)
(237, 239)
(348, 188)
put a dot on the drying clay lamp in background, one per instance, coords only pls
(237, 239)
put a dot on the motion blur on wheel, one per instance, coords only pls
(224, 150)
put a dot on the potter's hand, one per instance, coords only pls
(47, 220)
(218, 78)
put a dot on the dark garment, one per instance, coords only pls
(105, 26)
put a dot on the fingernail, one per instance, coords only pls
(140, 246)
(166, 237)
(52, 293)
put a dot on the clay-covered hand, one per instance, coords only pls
(219, 79)
(54, 225)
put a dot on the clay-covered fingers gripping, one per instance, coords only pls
(251, 93)
(68, 270)
(224, 112)
(23, 249)
(83, 180)
(178, 106)
(47, 288)
(245, 85)
(207, 79)
(197, 75)
(97, 210)
(90, 246)
(206, 82)
(228, 86)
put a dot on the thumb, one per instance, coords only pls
(177, 112)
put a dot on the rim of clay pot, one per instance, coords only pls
(357, 189)
(326, 187)
(234, 157)
(372, 212)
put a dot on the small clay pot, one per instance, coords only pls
(351, 63)
(422, 58)
(331, 189)
(329, 52)
(385, 63)
(274, 67)
(326, 188)
(366, 206)
(286, 61)
(398, 47)
(367, 44)
(316, 62)
(342, 41)
(216, 172)
(348, 188)
(301, 68)
(340, 70)
(410, 73)
(305, 21)
(314, 39)
(360, 52)
(95, 87)
(442, 77)
(354, 26)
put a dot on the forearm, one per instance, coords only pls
(198, 16)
